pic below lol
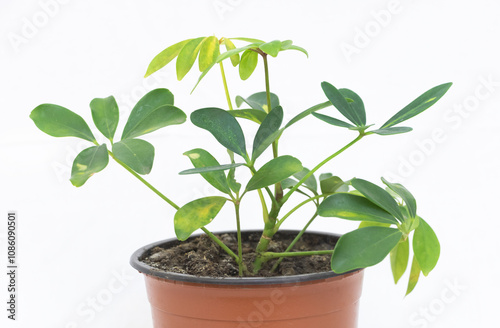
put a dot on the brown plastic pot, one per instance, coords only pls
(319, 300)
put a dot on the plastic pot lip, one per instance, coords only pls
(279, 280)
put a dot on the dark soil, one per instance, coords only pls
(200, 256)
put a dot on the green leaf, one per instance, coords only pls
(274, 171)
(407, 197)
(307, 112)
(363, 247)
(248, 40)
(248, 63)
(355, 103)
(392, 130)
(288, 183)
(105, 114)
(223, 126)
(271, 48)
(352, 207)
(165, 57)
(364, 224)
(88, 162)
(153, 111)
(196, 215)
(236, 51)
(426, 247)
(235, 59)
(58, 121)
(332, 121)
(201, 158)
(266, 134)
(231, 181)
(329, 183)
(202, 76)
(209, 52)
(310, 183)
(294, 47)
(136, 153)
(399, 259)
(187, 57)
(254, 115)
(339, 102)
(414, 275)
(378, 196)
(417, 106)
(216, 168)
(259, 101)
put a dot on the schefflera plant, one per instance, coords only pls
(388, 216)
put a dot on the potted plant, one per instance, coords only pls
(266, 278)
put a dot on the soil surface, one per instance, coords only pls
(200, 256)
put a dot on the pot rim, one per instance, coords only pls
(136, 263)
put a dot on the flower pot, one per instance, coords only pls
(319, 300)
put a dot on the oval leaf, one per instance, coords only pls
(202, 159)
(235, 59)
(310, 183)
(274, 171)
(266, 134)
(356, 104)
(339, 102)
(332, 121)
(187, 57)
(223, 126)
(399, 259)
(248, 63)
(209, 52)
(259, 101)
(88, 162)
(307, 112)
(105, 114)
(254, 115)
(392, 130)
(58, 121)
(407, 197)
(329, 183)
(195, 215)
(136, 153)
(352, 207)
(236, 51)
(271, 48)
(165, 57)
(215, 168)
(414, 275)
(426, 247)
(363, 247)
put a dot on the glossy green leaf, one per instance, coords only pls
(378, 196)
(58, 121)
(88, 162)
(248, 63)
(339, 102)
(329, 183)
(135, 153)
(187, 57)
(223, 126)
(414, 275)
(216, 168)
(355, 103)
(201, 158)
(165, 57)
(310, 183)
(236, 51)
(271, 48)
(352, 207)
(153, 111)
(363, 247)
(235, 59)
(332, 121)
(426, 247)
(266, 134)
(254, 115)
(209, 52)
(294, 47)
(196, 215)
(407, 197)
(417, 106)
(105, 114)
(274, 171)
(399, 259)
(392, 130)
(259, 101)
(288, 183)
(307, 112)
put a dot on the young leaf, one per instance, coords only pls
(248, 40)
(105, 114)
(223, 126)
(196, 215)
(165, 57)
(329, 183)
(294, 47)
(58, 121)
(271, 48)
(209, 52)
(407, 197)
(88, 162)
(236, 51)
(356, 104)
(235, 59)
(202, 158)
(254, 115)
(339, 101)
(414, 275)
(332, 121)
(417, 106)
(153, 111)
(352, 207)
(378, 196)
(392, 130)
(266, 134)
(426, 247)
(259, 101)
(136, 153)
(399, 259)
(363, 247)
(187, 57)
(274, 171)
(310, 183)
(248, 63)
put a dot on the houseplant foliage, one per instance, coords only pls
(389, 222)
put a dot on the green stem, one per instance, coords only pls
(156, 191)
(276, 228)
(226, 89)
(221, 244)
(271, 255)
(238, 231)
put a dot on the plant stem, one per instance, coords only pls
(221, 244)
(276, 228)
(238, 231)
(156, 191)
(271, 255)
(226, 89)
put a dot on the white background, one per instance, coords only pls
(75, 242)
